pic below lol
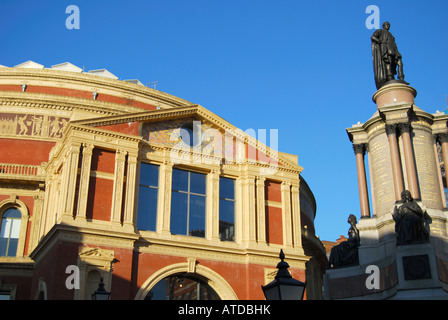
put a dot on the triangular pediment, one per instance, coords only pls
(167, 128)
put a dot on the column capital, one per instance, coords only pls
(87, 148)
(442, 137)
(359, 148)
(404, 127)
(391, 128)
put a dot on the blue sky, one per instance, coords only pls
(302, 67)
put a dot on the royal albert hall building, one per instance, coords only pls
(108, 179)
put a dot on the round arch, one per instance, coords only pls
(23, 209)
(214, 280)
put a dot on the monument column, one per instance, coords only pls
(405, 129)
(443, 139)
(362, 180)
(391, 131)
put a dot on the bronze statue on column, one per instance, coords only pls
(386, 57)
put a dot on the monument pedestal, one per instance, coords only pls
(417, 273)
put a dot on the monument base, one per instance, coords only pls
(411, 272)
(417, 273)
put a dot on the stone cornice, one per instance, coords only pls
(69, 79)
(63, 103)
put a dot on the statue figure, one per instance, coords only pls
(386, 57)
(346, 253)
(410, 221)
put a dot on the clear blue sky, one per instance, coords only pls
(302, 67)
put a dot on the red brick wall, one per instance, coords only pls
(274, 228)
(127, 128)
(99, 202)
(19, 151)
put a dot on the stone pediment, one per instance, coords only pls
(168, 128)
(95, 254)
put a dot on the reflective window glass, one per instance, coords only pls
(188, 203)
(10, 232)
(147, 197)
(226, 209)
(180, 287)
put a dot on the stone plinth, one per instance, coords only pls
(394, 94)
(418, 276)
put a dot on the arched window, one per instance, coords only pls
(182, 287)
(9, 232)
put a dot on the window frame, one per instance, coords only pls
(189, 193)
(23, 209)
(140, 185)
(229, 200)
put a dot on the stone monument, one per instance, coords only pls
(403, 223)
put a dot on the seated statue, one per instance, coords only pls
(410, 221)
(345, 254)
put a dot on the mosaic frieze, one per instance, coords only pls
(33, 125)
(190, 133)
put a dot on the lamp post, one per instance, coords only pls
(101, 293)
(284, 287)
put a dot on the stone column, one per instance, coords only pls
(261, 210)
(212, 207)
(362, 180)
(69, 180)
(131, 178)
(391, 131)
(164, 199)
(117, 197)
(443, 140)
(286, 211)
(295, 209)
(249, 214)
(83, 192)
(405, 129)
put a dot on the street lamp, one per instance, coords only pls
(284, 287)
(101, 293)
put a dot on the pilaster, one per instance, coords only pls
(84, 182)
(249, 215)
(70, 175)
(261, 210)
(286, 213)
(131, 180)
(296, 222)
(212, 210)
(164, 199)
(117, 197)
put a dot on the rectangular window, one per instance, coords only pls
(188, 203)
(226, 209)
(147, 197)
